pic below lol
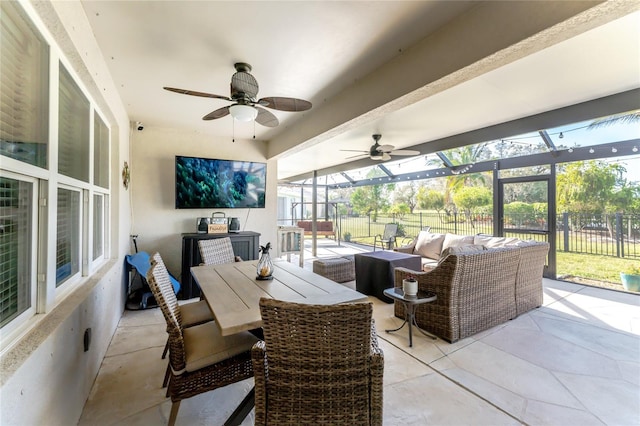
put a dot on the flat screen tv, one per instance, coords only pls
(205, 183)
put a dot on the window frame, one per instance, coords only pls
(17, 322)
(45, 295)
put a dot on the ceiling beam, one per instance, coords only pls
(589, 110)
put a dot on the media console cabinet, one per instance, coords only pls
(245, 244)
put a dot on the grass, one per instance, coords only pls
(593, 267)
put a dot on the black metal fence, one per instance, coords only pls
(603, 234)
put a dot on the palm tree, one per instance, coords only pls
(462, 156)
(622, 118)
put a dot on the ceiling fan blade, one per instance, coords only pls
(285, 104)
(219, 113)
(266, 118)
(356, 156)
(194, 93)
(385, 148)
(355, 150)
(386, 157)
(405, 152)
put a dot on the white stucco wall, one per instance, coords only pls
(156, 221)
(45, 375)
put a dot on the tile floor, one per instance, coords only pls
(573, 361)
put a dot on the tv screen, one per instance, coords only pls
(205, 183)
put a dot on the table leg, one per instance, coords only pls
(243, 410)
(426, 333)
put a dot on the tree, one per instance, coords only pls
(469, 198)
(594, 187)
(464, 155)
(430, 199)
(369, 200)
(406, 194)
(399, 210)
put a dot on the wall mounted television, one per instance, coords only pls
(206, 183)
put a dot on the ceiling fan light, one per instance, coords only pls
(243, 112)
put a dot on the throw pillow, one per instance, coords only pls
(429, 245)
(465, 249)
(453, 240)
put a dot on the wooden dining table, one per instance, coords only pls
(233, 294)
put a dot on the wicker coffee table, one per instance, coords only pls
(410, 304)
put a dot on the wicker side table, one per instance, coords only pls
(410, 304)
(338, 269)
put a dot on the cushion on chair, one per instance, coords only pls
(195, 313)
(429, 245)
(204, 345)
(466, 249)
(453, 240)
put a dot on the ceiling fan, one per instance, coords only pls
(245, 107)
(383, 152)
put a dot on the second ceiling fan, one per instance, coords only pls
(246, 106)
(383, 152)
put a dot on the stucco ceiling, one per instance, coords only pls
(368, 67)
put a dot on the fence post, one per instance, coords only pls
(565, 230)
(455, 222)
(619, 237)
(421, 226)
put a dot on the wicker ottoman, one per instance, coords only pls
(338, 269)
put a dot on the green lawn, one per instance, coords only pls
(594, 267)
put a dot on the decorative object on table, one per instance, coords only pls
(631, 278)
(265, 266)
(126, 175)
(202, 225)
(218, 223)
(234, 224)
(410, 286)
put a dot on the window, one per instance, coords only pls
(73, 129)
(98, 226)
(68, 235)
(16, 226)
(24, 89)
(100, 152)
(31, 181)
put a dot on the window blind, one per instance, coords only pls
(24, 88)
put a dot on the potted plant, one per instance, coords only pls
(630, 278)
(347, 236)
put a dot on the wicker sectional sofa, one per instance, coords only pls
(480, 282)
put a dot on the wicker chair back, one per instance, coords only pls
(216, 251)
(319, 363)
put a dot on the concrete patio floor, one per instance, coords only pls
(573, 361)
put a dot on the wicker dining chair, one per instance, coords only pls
(201, 358)
(217, 251)
(195, 313)
(318, 364)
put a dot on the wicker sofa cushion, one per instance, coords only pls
(429, 245)
(204, 345)
(491, 242)
(453, 240)
(465, 249)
